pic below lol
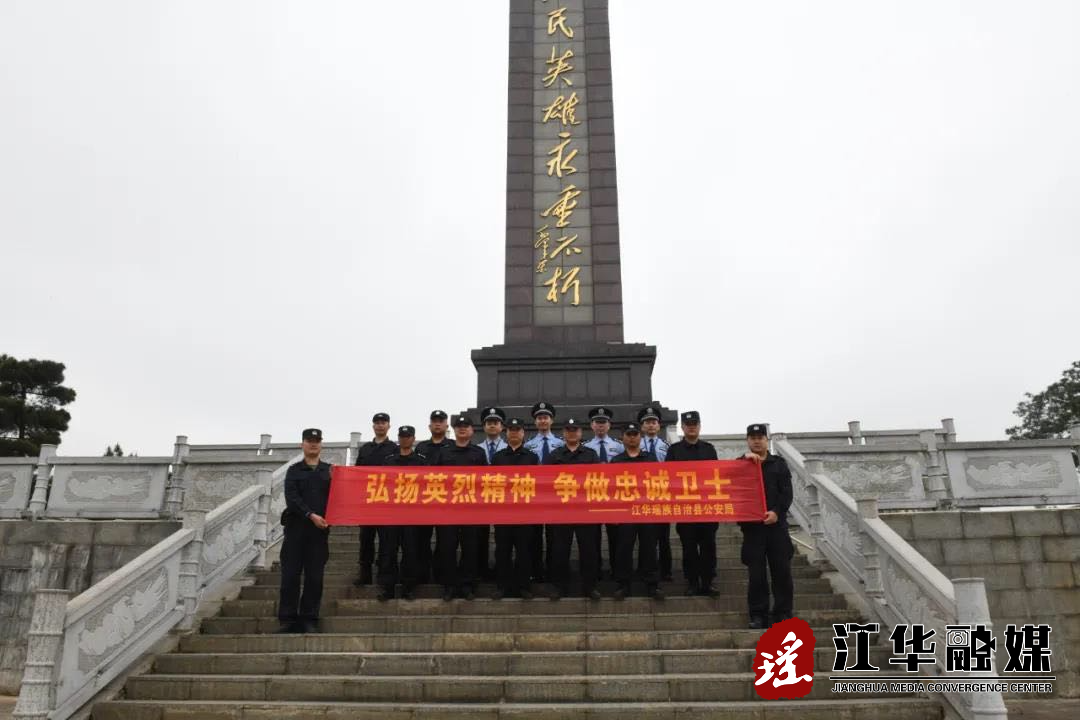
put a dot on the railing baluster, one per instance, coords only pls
(37, 696)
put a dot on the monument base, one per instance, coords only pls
(574, 378)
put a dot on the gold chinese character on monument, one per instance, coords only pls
(557, 66)
(564, 207)
(564, 109)
(564, 244)
(557, 21)
(561, 162)
(569, 281)
(541, 244)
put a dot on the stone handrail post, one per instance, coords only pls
(973, 609)
(264, 444)
(868, 510)
(949, 426)
(42, 654)
(816, 529)
(355, 439)
(40, 495)
(936, 473)
(174, 491)
(262, 518)
(190, 581)
(855, 430)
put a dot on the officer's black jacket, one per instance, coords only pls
(510, 456)
(399, 460)
(431, 449)
(684, 451)
(307, 490)
(456, 455)
(623, 457)
(373, 453)
(565, 456)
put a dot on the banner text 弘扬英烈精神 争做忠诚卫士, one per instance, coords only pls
(705, 491)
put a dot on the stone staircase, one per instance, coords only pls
(686, 657)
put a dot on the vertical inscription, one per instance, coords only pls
(563, 281)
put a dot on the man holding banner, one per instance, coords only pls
(562, 536)
(393, 538)
(459, 575)
(430, 449)
(626, 534)
(513, 543)
(698, 538)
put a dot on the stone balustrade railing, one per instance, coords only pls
(896, 584)
(928, 469)
(77, 646)
(195, 476)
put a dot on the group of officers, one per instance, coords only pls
(528, 554)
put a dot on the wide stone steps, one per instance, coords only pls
(727, 586)
(672, 687)
(542, 641)
(366, 607)
(518, 623)
(864, 709)
(420, 664)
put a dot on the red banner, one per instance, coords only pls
(706, 491)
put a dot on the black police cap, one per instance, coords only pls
(406, 431)
(543, 408)
(757, 429)
(632, 429)
(438, 415)
(312, 434)
(600, 413)
(462, 421)
(380, 417)
(691, 417)
(515, 424)
(571, 424)
(648, 412)
(494, 413)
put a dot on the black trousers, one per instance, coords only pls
(699, 551)
(483, 551)
(588, 541)
(367, 545)
(623, 565)
(663, 536)
(395, 540)
(536, 551)
(612, 532)
(513, 556)
(424, 556)
(304, 552)
(452, 571)
(771, 545)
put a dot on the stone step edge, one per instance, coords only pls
(661, 677)
(458, 707)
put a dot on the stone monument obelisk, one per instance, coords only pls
(563, 339)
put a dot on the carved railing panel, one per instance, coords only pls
(1035, 472)
(894, 477)
(207, 484)
(117, 620)
(229, 536)
(109, 488)
(16, 481)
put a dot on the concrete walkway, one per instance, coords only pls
(7, 705)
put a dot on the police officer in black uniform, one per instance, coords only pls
(459, 574)
(430, 449)
(306, 545)
(768, 541)
(513, 543)
(562, 536)
(626, 534)
(393, 538)
(698, 539)
(373, 452)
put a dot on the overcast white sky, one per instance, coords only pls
(229, 218)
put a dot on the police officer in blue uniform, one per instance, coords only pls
(543, 443)
(605, 447)
(491, 442)
(305, 548)
(651, 442)
(767, 542)
(373, 452)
